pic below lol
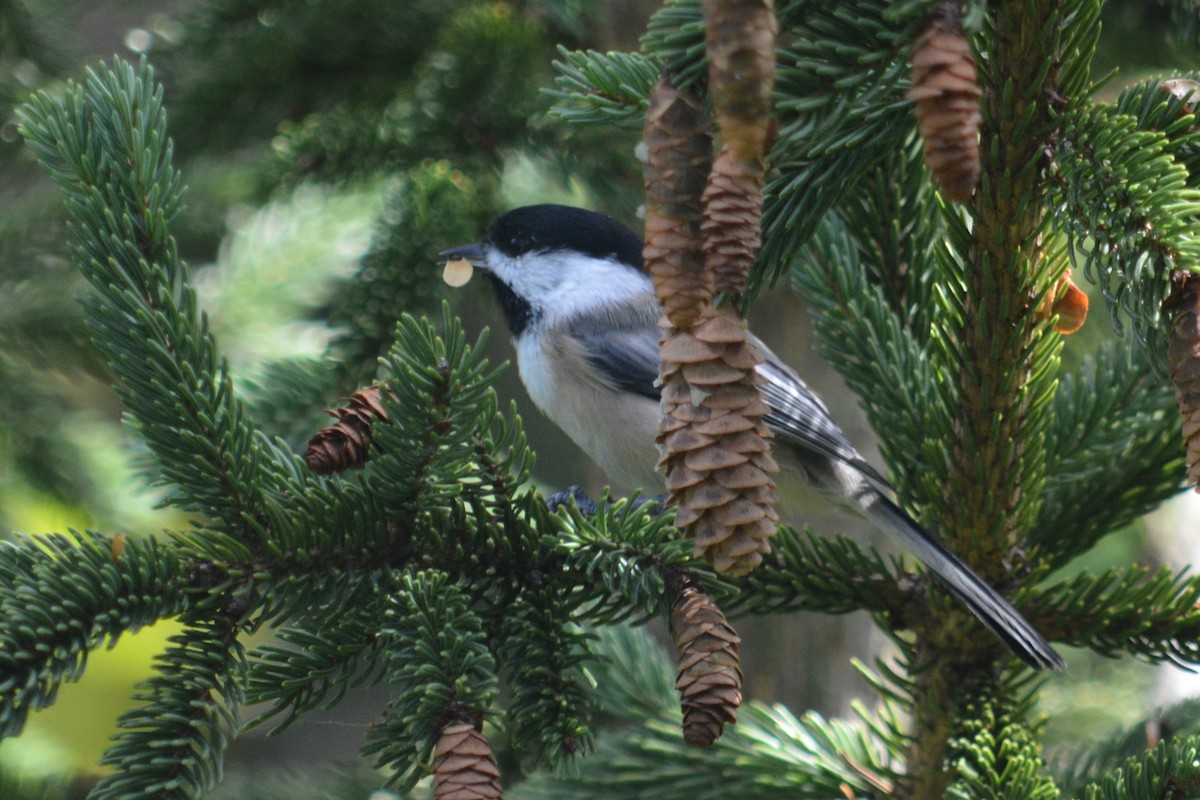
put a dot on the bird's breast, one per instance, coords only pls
(616, 429)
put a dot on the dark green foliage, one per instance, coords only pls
(545, 657)
(106, 147)
(832, 575)
(172, 745)
(1115, 430)
(1133, 610)
(62, 596)
(767, 753)
(623, 551)
(435, 648)
(1131, 214)
(430, 207)
(337, 651)
(998, 756)
(439, 570)
(1170, 770)
(306, 59)
(604, 88)
(1177, 724)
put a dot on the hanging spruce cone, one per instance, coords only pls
(463, 765)
(732, 209)
(713, 442)
(1182, 307)
(709, 679)
(946, 89)
(678, 155)
(740, 45)
(347, 443)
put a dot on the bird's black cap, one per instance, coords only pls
(546, 228)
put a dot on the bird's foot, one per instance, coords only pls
(589, 506)
(576, 493)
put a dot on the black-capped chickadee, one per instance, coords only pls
(584, 319)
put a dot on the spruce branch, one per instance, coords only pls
(1130, 214)
(545, 657)
(1113, 452)
(603, 88)
(833, 575)
(622, 551)
(883, 359)
(769, 752)
(172, 745)
(1091, 762)
(64, 595)
(998, 756)
(319, 663)
(105, 144)
(675, 38)
(839, 91)
(436, 652)
(634, 675)
(1126, 610)
(998, 356)
(440, 387)
(1170, 770)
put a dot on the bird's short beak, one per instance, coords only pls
(468, 252)
(460, 262)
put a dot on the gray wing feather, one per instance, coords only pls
(624, 349)
(800, 418)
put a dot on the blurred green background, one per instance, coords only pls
(328, 145)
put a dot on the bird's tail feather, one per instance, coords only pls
(996, 613)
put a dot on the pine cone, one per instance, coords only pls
(732, 208)
(678, 155)
(347, 443)
(463, 765)
(947, 92)
(709, 679)
(740, 41)
(713, 441)
(1182, 306)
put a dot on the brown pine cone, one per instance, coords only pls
(347, 443)
(1182, 307)
(713, 442)
(463, 765)
(732, 208)
(947, 92)
(709, 677)
(740, 43)
(678, 155)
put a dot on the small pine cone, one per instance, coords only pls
(678, 155)
(947, 92)
(732, 207)
(709, 678)
(740, 43)
(347, 443)
(463, 765)
(713, 442)
(1182, 306)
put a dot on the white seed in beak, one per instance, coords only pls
(457, 272)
